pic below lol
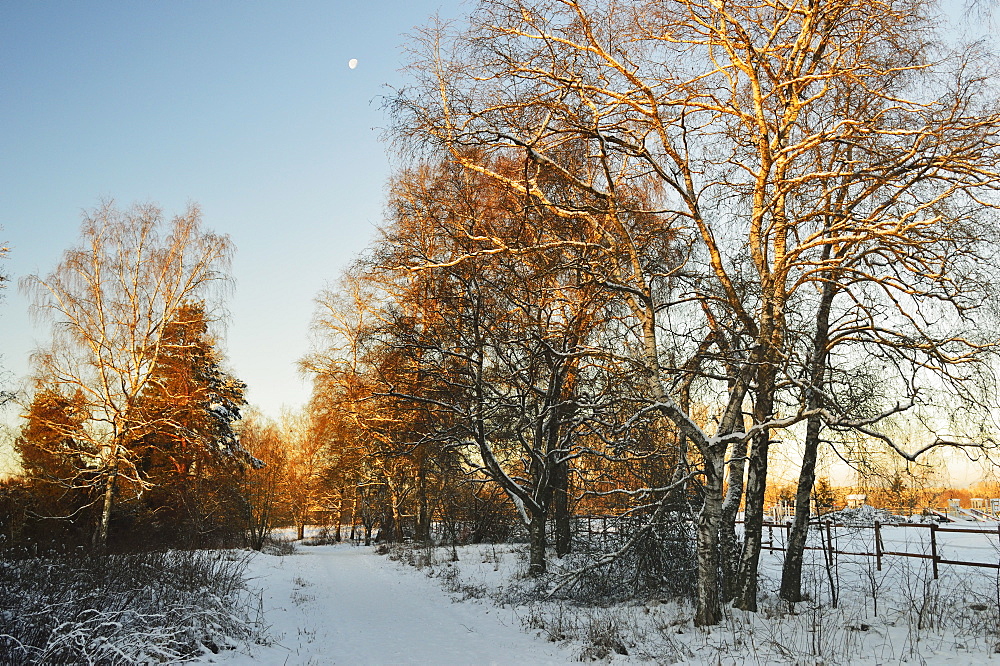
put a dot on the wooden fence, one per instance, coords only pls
(598, 530)
(829, 543)
(607, 531)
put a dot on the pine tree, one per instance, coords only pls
(190, 454)
(47, 445)
(56, 497)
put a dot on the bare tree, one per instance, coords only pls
(306, 487)
(734, 114)
(264, 489)
(110, 300)
(334, 429)
(509, 336)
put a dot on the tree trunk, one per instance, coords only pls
(101, 541)
(791, 570)
(753, 515)
(387, 528)
(340, 516)
(753, 522)
(728, 543)
(708, 612)
(191, 481)
(536, 535)
(397, 519)
(301, 530)
(354, 515)
(423, 526)
(561, 507)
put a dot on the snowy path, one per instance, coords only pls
(344, 605)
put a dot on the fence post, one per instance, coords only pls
(934, 554)
(878, 545)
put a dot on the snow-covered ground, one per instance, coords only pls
(344, 604)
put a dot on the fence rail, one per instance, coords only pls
(786, 511)
(603, 530)
(602, 527)
(829, 547)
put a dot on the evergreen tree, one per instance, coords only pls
(190, 455)
(54, 497)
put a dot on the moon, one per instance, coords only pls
(352, 63)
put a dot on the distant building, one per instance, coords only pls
(986, 505)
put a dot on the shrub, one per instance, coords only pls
(661, 561)
(122, 608)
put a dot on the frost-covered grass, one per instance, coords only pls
(900, 614)
(154, 607)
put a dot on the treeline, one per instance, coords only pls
(129, 437)
(640, 247)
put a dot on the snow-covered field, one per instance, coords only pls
(344, 604)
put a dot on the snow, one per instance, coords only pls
(346, 604)
(343, 604)
(864, 515)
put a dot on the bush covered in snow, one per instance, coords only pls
(633, 559)
(123, 608)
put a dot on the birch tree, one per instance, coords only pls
(743, 118)
(109, 301)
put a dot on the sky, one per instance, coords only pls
(248, 109)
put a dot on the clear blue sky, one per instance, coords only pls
(247, 108)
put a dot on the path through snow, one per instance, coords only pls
(342, 604)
